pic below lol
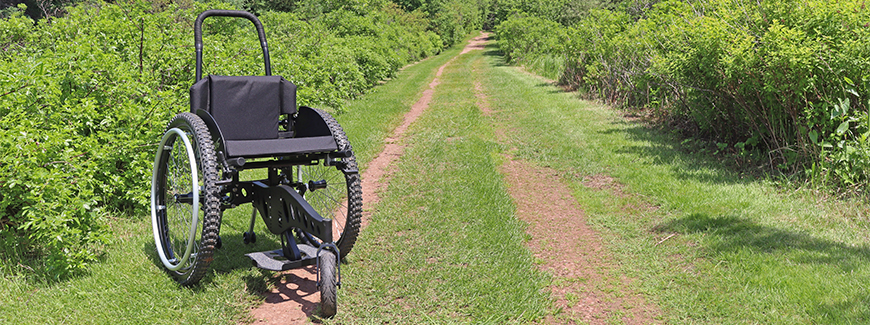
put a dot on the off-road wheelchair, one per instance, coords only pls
(311, 197)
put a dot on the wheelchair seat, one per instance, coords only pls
(311, 196)
(246, 111)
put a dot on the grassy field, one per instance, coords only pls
(708, 245)
(128, 287)
(444, 245)
(703, 243)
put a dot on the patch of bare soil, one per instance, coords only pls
(586, 286)
(477, 43)
(292, 300)
(295, 297)
(482, 101)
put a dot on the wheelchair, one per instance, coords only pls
(311, 196)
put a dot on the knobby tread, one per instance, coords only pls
(207, 163)
(328, 292)
(354, 186)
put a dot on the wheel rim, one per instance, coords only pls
(327, 193)
(175, 200)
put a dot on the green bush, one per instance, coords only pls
(85, 97)
(455, 19)
(564, 12)
(450, 20)
(534, 42)
(760, 77)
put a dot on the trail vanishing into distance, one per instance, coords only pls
(550, 212)
(494, 196)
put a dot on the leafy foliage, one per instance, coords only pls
(84, 98)
(565, 12)
(761, 77)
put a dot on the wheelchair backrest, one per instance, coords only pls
(245, 107)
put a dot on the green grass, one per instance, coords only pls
(128, 287)
(742, 250)
(373, 117)
(547, 65)
(443, 245)
(705, 244)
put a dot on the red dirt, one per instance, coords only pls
(478, 43)
(295, 296)
(586, 286)
(583, 287)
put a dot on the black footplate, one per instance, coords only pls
(275, 260)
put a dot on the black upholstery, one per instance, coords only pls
(247, 109)
(278, 147)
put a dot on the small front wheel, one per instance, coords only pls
(328, 293)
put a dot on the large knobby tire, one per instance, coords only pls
(185, 205)
(341, 199)
(328, 292)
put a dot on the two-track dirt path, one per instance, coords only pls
(570, 250)
(295, 296)
(577, 259)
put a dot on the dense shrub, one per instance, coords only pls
(565, 12)
(454, 19)
(530, 40)
(784, 79)
(84, 98)
(451, 20)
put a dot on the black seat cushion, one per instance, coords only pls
(280, 147)
(245, 107)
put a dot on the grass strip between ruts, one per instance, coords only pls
(443, 245)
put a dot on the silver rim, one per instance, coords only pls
(180, 185)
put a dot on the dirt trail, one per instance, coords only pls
(584, 286)
(376, 176)
(295, 296)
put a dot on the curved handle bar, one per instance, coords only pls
(197, 34)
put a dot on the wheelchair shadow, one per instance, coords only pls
(294, 295)
(288, 297)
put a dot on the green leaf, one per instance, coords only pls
(849, 81)
(843, 128)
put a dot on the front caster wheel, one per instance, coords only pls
(249, 237)
(328, 293)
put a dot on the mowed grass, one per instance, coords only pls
(706, 244)
(443, 245)
(128, 287)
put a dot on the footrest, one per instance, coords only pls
(275, 260)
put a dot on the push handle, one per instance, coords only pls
(197, 34)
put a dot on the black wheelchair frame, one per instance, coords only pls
(311, 198)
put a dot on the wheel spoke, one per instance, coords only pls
(178, 218)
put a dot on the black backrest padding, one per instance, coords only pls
(246, 107)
